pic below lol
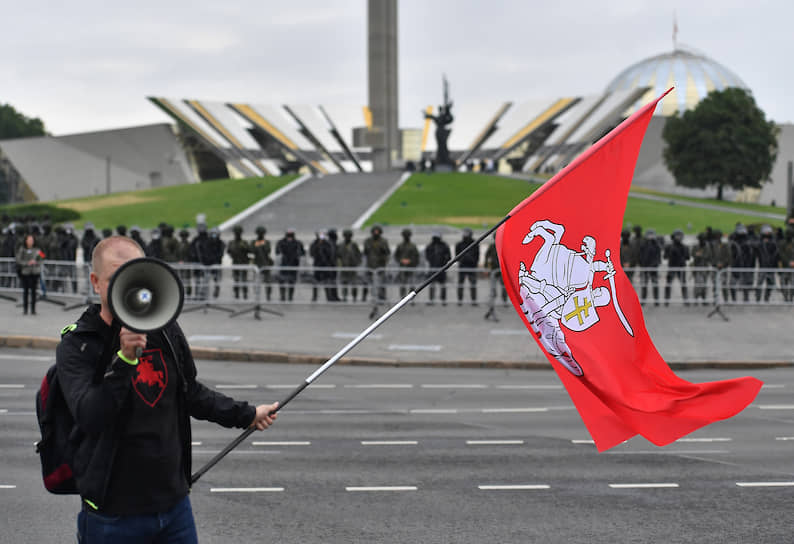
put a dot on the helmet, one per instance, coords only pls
(678, 234)
(135, 228)
(467, 232)
(407, 232)
(650, 233)
(261, 230)
(376, 228)
(184, 233)
(155, 233)
(740, 229)
(215, 232)
(589, 245)
(347, 233)
(238, 229)
(766, 230)
(201, 227)
(121, 230)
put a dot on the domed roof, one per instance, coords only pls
(692, 74)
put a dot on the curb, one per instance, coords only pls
(257, 356)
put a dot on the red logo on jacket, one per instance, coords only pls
(152, 377)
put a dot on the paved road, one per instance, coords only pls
(425, 455)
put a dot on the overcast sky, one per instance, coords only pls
(89, 64)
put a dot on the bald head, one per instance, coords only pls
(115, 249)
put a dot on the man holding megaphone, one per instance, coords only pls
(129, 380)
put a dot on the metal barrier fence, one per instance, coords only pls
(239, 289)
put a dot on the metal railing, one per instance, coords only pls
(237, 289)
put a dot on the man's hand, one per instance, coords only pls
(129, 341)
(265, 416)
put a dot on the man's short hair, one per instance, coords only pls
(106, 245)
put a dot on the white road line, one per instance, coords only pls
(509, 332)
(493, 442)
(515, 487)
(7, 486)
(776, 406)
(350, 335)
(784, 438)
(765, 484)
(246, 489)
(199, 443)
(381, 199)
(434, 411)
(382, 488)
(389, 442)
(453, 386)
(11, 386)
(4, 411)
(538, 387)
(512, 410)
(27, 357)
(581, 441)
(293, 443)
(669, 452)
(414, 347)
(773, 386)
(213, 338)
(241, 386)
(380, 386)
(293, 386)
(643, 486)
(704, 439)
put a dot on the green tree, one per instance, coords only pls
(16, 125)
(725, 141)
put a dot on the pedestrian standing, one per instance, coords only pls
(29, 259)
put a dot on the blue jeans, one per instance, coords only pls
(174, 526)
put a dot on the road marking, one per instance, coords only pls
(704, 440)
(540, 387)
(27, 357)
(293, 386)
(512, 410)
(669, 452)
(246, 489)
(643, 486)
(380, 386)
(776, 406)
(383, 488)
(348, 335)
(294, 443)
(11, 386)
(453, 386)
(583, 442)
(765, 484)
(509, 332)
(773, 386)
(493, 442)
(434, 411)
(199, 443)
(213, 338)
(241, 386)
(784, 438)
(516, 487)
(389, 442)
(7, 486)
(4, 411)
(414, 347)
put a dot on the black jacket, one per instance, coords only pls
(99, 409)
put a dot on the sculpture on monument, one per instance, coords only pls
(442, 120)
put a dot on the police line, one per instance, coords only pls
(234, 288)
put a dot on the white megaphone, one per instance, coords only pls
(145, 295)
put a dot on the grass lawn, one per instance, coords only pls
(176, 205)
(479, 201)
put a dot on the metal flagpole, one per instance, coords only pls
(342, 352)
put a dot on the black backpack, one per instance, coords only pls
(59, 434)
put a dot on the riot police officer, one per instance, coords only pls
(650, 259)
(238, 250)
(768, 258)
(677, 255)
(291, 251)
(466, 266)
(261, 252)
(407, 256)
(377, 253)
(437, 254)
(348, 257)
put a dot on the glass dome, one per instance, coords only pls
(692, 74)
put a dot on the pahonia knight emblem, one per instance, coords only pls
(557, 290)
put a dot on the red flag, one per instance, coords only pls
(559, 253)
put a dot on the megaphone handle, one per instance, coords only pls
(138, 352)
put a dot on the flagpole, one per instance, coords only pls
(342, 352)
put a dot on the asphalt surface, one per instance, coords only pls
(373, 454)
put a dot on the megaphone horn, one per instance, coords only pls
(145, 295)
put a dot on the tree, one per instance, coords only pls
(16, 125)
(725, 141)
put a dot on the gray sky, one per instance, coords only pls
(89, 64)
